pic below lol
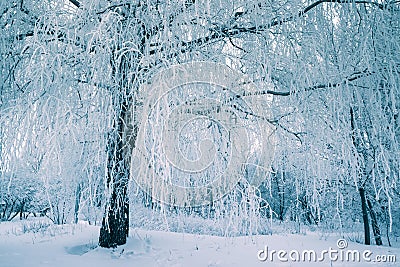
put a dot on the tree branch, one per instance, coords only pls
(276, 22)
(22, 36)
(75, 3)
(274, 122)
(350, 78)
(112, 7)
(235, 30)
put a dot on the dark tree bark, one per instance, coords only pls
(367, 236)
(78, 194)
(21, 210)
(115, 224)
(375, 225)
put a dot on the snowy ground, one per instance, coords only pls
(37, 243)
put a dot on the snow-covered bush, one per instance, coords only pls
(237, 213)
(18, 196)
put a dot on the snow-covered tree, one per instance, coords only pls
(72, 73)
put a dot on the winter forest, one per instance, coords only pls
(227, 122)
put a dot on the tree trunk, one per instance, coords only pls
(364, 209)
(387, 223)
(281, 193)
(375, 225)
(115, 225)
(367, 237)
(126, 73)
(21, 211)
(78, 194)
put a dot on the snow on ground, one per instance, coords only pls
(38, 243)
